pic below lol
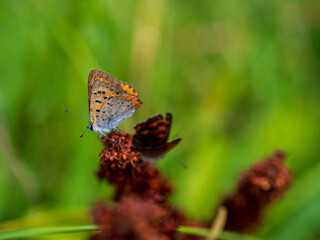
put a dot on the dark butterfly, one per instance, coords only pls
(152, 135)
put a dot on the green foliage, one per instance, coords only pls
(240, 77)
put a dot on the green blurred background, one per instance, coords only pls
(240, 77)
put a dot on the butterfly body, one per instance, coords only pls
(110, 101)
(152, 135)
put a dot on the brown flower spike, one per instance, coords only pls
(138, 219)
(265, 182)
(125, 169)
(134, 219)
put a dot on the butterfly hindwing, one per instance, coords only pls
(110, 101)
(154, 153)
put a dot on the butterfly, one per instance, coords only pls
(110, 101)
(151, 137)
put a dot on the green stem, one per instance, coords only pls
(225, 235)
(39, 231)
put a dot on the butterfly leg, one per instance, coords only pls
(112, 141)
(103, 135)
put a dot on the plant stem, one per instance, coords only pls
(225, 235)
(39, 231)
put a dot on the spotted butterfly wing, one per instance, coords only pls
(110, 101)
(152, 135)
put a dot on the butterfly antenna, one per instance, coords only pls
(185, 166)
(84, 132)
(66, 110)
(176, 135)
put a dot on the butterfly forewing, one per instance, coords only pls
(153, 132)
(151, 137)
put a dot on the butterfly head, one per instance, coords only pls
(90, 127)
(94, 128)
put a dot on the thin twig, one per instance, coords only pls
(218, 224)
